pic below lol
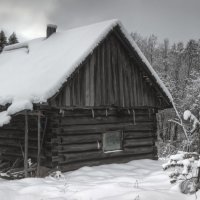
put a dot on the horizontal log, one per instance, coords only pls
(14, 156)
(138, 142)
(4, 131)
(11, 129)
(138, 150)
(138, 134)
(102, 112)
(15, 145)
(66, 166)
(81, 129)
(16, 139)
(68, 121)
(78, 139)
(18, 132)
(69, 157)
(17, 150)
(78, 147)
(79, 156)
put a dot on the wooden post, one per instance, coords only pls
(198, 175)
(26, 146)
(39, 144)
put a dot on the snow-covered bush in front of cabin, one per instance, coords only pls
(183, 168)
(165, 149)
(57, 175)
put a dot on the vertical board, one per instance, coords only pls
(67, 95)
(87, 85)
(92, 88)
(108, 77)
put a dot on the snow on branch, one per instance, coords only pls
(195, 122)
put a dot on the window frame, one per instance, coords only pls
(113, 150)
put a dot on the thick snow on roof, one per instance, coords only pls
(34, 71)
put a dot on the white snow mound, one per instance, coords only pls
(136, 180)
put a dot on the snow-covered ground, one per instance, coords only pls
(136, 180)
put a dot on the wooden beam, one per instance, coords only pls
(26, 146)
(39, 143)
(31, 113)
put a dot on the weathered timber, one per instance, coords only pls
(26, 146)
(78, 147)
(78, 139)
(105, 127)
(102, 120)
(138, 142)
(137, 134)
(75, 165)
(139, 150)
(70, 158)
(39, 144)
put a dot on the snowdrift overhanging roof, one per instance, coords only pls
(34, 71)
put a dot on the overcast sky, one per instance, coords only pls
(178, 20)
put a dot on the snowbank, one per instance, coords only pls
(141, 179)
(34, 71)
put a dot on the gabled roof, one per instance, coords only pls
(34, 71)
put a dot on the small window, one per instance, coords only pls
(112, 141)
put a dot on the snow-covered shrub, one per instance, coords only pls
(166, 149)
(57, 175)
(183, 167)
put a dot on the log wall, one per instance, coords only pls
(78, 136)
(74, 138)
(12, 140)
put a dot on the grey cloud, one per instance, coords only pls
(175, 19)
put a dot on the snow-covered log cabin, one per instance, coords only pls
(86, 96)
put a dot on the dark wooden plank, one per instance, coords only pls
(87, 85)
(91, 129)
(133, 84)
(66, 166)
(139, 149)
(115, 72)
(120, 79)
(103, 74)
(78, 147)
(67, 95)
(142, 126)
(134, 135)
(71, 157)
(129, 83)
(67, 121)
(92, 87)
(26, 146)
(138, 142)
(78, 139)
(78, 88)
(98, 93)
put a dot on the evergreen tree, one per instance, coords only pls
(3, 40)
(13, 39)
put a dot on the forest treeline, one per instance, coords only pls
(4, 40)
(178, 65)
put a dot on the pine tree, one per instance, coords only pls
(3, 40)
(13, 39)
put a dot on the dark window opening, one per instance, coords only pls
(112, 141)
